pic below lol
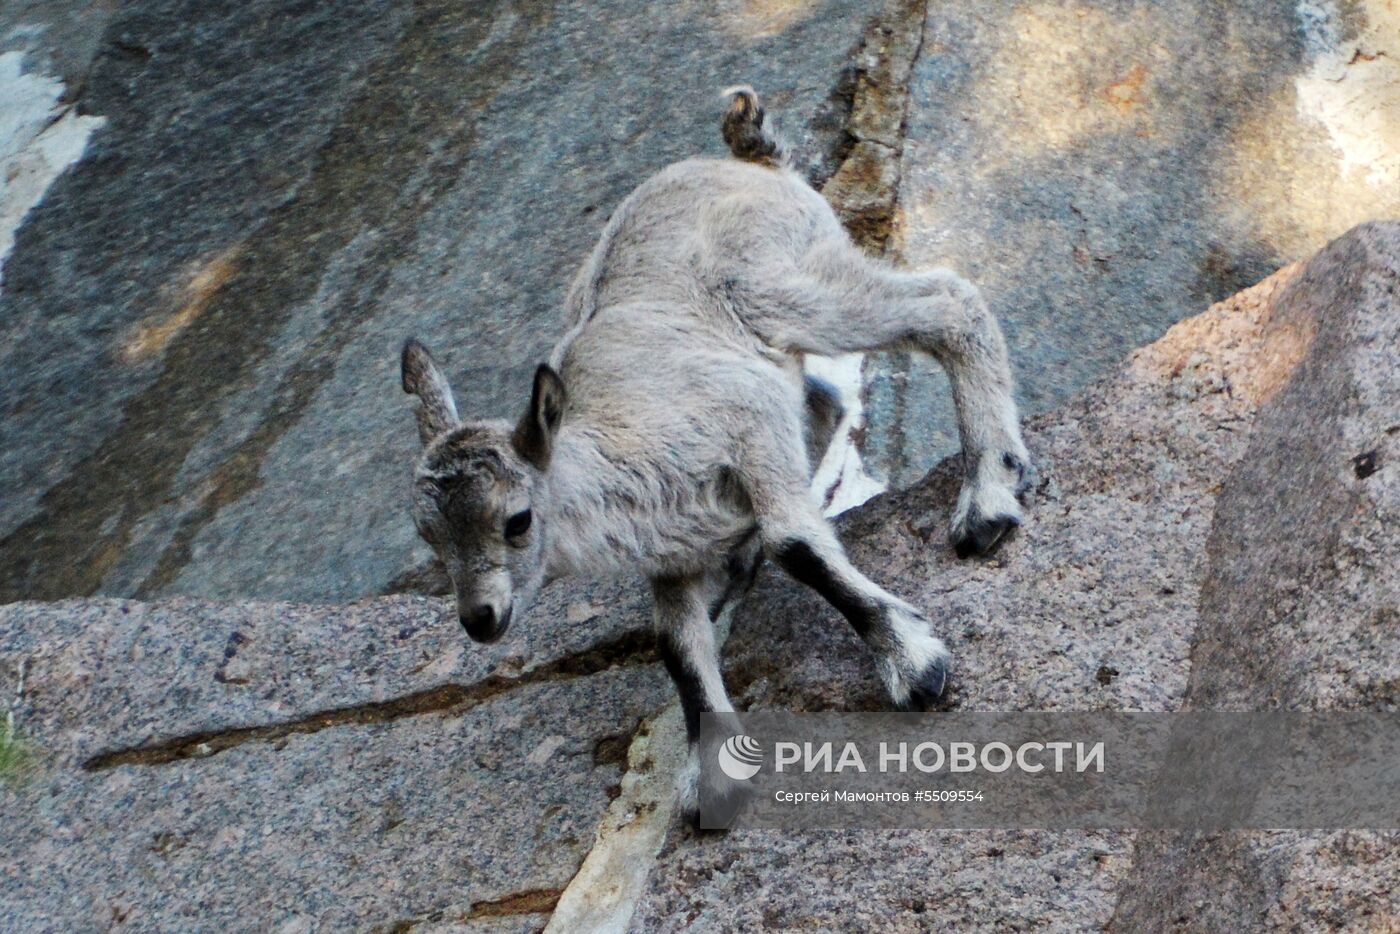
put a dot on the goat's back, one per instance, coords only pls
(687, 235)
(657, 334)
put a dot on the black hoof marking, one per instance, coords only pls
(926, 691)
(722, 804)
(979, 536)
(1025, 474)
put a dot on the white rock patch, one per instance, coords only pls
(840, 480)
(39, 138)
(1353, 87)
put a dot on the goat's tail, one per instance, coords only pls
(745, 133)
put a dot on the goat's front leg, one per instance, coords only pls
(911, 660)
(685, 637)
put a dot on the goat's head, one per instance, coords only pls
(474, 491)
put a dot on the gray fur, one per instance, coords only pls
(682, 442)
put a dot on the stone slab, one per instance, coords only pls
(451, 819)
(1103, 169)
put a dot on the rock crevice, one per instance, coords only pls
(631, 648)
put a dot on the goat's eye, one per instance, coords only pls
(518, 524)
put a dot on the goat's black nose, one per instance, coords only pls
(481, 623)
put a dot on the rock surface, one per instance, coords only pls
(1301, 607)
(200, 351)
(201, 316)
(1239, 428)
(301, 768)
(270, 766)
(1101, 168)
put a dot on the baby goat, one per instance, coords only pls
(667, 431)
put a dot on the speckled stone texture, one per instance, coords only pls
(1301, 605)
(113, 675)
(1223, 455)
(388, 779)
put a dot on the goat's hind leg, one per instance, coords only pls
(840, 301)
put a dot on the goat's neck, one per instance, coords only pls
(593, 505)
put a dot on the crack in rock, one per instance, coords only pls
(865, 187)
(533, 902)
(529, 902)
(603, 894)
(634, 647)
(864, 192)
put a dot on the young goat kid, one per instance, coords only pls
(667, 431)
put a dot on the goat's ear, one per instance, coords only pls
(534, 436)
(421, 377)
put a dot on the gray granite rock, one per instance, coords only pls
(268, 767)
(1300, 607)
(1105, 168)
(199, 766)
(1106, 600)
(1302, 598)
(201, 319)
(108, 679)
(437, 818)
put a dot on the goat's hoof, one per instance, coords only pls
(719, 803)
(925, 691)
(978, 534)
